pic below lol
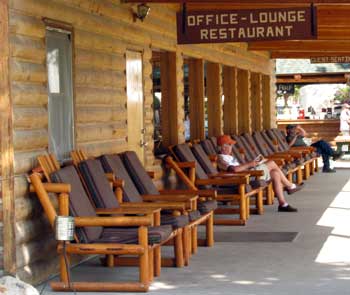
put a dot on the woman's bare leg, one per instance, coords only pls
(271, 165)
(277, 186)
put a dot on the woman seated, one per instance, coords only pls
(227, 162)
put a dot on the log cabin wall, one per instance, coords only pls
(103, 31)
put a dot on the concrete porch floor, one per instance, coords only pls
(316, 262)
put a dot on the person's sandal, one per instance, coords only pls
(293, 190)
(287, 208)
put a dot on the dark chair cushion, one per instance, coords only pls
(79, 203)
(156, 235)
(208, 147)
(194, 215)
(258, 183)
(97, 184)
(203, 159)
(114, 164)
(232, 189)
(138, 173)
(207, 206)
(174, 221)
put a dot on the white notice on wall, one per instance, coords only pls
(344, 148)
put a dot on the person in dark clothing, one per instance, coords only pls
(295, 137)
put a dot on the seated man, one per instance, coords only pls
(229, 163)
(295, 135)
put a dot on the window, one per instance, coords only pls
(60, 92)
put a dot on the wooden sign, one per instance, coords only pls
(330, 59)
(286, 88)
(246, 25)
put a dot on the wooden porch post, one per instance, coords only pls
(7, 181)
(267, 103)
(256, 99)
(244, 109)
(169, 98)
(230, 102)
(214, 94)
(196, 94)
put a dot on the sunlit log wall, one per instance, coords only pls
(103, 31)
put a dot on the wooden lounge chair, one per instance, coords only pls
(278, 137)
(209, 149)
(233, 189)
(103, 199)
(99, 235)
(204, 210)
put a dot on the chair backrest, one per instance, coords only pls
(79, 203)
(48, 164)
(97, 184)
(271, 139)
(241, 143)
(281, 137)
(184, 153)
(114, 164)
(139, 175)
(214, 142)
(203, 159)
(237, 154)
(262, 144)
(208, 147)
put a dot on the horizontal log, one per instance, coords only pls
(25, 161)
(30, 118)
(30, 139)
(82, 20)
(95, 133)
(92, 41)
(21, 186)
(93, 96)
(100, 78)
(29, 49)
(87, 59)
(28, 208)
(104, 147)
(26, 25)
(35, 250)
(29, 94)
(28, 72)
(39, 271)
(108, 114)
(32, 229)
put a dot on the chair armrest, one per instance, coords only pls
(151, 174)
(114, 221)
(222, 181)
(207, 193)
(186, 164)
(251, 172)
(178, 192)
(213, 158)
(170, 197)
(126, 210)
(54, 188)
(229, 174)
(161, 205)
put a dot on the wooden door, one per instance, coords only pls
(135, 103)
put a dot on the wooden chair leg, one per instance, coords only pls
(178, 244)
(63, 269)
(186, 245)
(157, 261)
(306, 171)
(151, 264)
(143, 262)
(259, 202)
(194, 237)
(247, 207)
(243, 208)
(299, 176)
(210, 230)
(110, 260)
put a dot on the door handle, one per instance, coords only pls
(143, 144)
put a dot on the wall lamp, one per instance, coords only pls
(142, 10)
